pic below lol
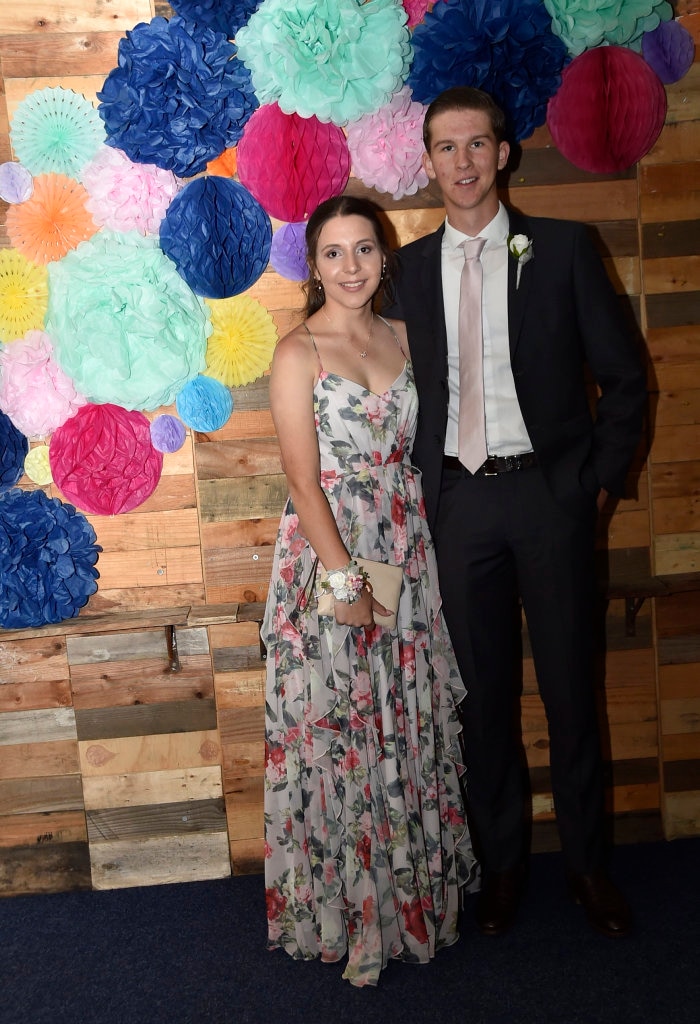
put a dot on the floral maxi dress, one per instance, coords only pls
(366, 841)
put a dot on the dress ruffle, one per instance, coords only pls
(367, 844)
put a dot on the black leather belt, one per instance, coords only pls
(494, 465)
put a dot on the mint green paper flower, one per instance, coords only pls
(332, 59)
(56, 130)
(124, 324)
(583, 24)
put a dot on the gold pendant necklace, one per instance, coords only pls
(362, 354)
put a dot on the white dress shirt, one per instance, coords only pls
(506, 433)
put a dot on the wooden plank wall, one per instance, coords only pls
(115, 771)
(669, 205)
(43, 830)
(110, 763)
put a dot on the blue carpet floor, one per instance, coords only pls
(195, 954)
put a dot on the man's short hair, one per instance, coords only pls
(464, 97)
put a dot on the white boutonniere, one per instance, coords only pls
(520, 247)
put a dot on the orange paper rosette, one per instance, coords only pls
(226, 164)
(52, 221)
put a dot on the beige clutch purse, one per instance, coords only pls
(386, 583)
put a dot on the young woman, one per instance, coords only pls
(366, 839)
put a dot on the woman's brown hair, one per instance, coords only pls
(341, 206)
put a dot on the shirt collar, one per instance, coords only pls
(495, 232)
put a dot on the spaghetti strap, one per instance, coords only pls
(378, 315)
(313, 342)
(396, 337)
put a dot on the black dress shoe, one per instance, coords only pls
(497, 903)
(606, 908)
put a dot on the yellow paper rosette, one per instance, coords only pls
(240, 347)
(23, 295)
(37, 467)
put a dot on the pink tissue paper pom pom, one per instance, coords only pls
(34, 391)
(127, 196)
(609, 110)
(386, 147)
(416, 11)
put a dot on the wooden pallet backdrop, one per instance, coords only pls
(114, 769)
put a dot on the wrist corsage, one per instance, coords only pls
(346, 584)
(520, 247)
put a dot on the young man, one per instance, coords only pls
(517, 528)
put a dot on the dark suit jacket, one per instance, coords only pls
(563, 315)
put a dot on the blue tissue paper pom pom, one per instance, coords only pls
(225, 16)
(218, 236)
(179, 96)
(47, 559)
(204, 404)
(507, 49)
(13, 451)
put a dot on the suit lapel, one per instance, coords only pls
(431, 285)
(517, 294)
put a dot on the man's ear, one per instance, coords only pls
(503, 154)
(428, 166)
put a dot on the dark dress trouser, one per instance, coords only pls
(501, 539)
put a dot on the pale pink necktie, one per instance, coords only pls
(472, 420)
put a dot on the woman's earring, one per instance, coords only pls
(381, 276)
(319, 286)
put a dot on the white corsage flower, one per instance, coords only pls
(520, 246)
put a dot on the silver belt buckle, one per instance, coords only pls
(493, 472)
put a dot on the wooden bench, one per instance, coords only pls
(635, 589)
(630, 583)
(170, 619)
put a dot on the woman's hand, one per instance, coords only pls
(360, 612)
